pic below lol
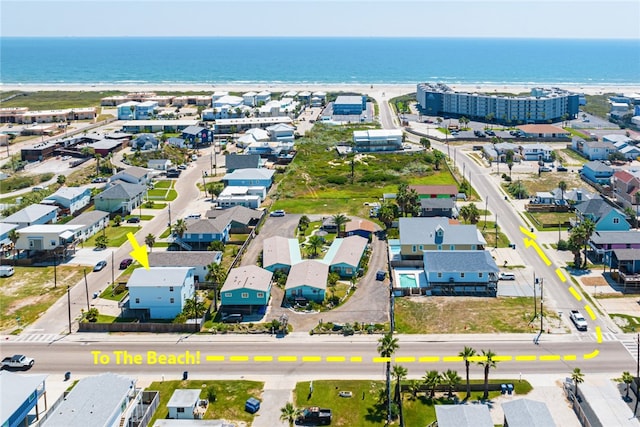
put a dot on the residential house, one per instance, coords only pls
(197, 135)
(461, 272)
(17, 408)
(145, 142)
(281, 132)
(5, 230)
(249, 178)
(146, 110)
(344, 255)
(572, 196)
(318, 98)
(127, 110)
(372, 140)
(598, 172)
(102, 400)
(307, 280)
(247, 290)
(249, 99)
(176, 142)
(544, 131)
(502, 148)
(544, 198)
(243, 220)
(280, 253)
(626, 185)
(526, 413)
(120, 198)
(91, 222)
(251, 136)
(133, 175)
(536, 152)
(442, 234)
(627, 262)
(359, 227)
(200, 233)
(442, 207)
(159, 164)
(243, 124)
(160, 292)
(593, 150)
(463, 416)
(605, 216)
(435, 191)
(33, 215)
(630, 152)
(349, 105)
(169, 125)
(617, 138)
(263, 97)
(236, 161)
(185, 404)
(601, 243)
(72, 199)
(49, 237)
(199, 262)
(248, 197)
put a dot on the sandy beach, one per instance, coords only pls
(376, 90)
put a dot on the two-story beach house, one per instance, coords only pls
(160, 292)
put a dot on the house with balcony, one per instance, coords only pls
(160, 292)
(280, 253)
(536, 152)
(197, 135)
(605, 216)
(593, 150)
(5, 230)
(249, 178)
(90, 222)
(307, 280)
(281, 132)
(127, 110)
(145, 141)
(243, 220)
(199, 261)
(22, 405)
(461, 273)
(441, 234)
(133, 175)
(627, 262)
(626, 188)
(236, 161)
(248, 197)
(247, 290)
(602, 243)
(598, 172)
(33, 215)
(61, 238)
(372, 140)
(71, 199)
(121, 198)
(200, 233)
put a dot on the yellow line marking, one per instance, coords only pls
(238, 358)
(476, 358)
(527, 358)
(561, 275)
(527, 233)
(311, 359)
(587, 308)
(591, 355)
(355, 359)
(336, 359)
(263, 358)
(575, 293)
(550, 357)
(287, 358)
(381, 359)
(503, 358)
(541, 254)
(598, 334)
(405, 359)
(452, 359)
(428, 359)
(569, 357)
(215, 358)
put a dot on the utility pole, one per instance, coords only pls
(496, 244)
(486, 210)
(69, 306)
(86, 287)
(635, 409)
(55, 272)
(169, 205)
(541, 304)
(535, 303)
(113, 280)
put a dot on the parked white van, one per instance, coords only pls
(6, 271)
(507, 276)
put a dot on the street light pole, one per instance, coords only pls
(69, 306)
(541, 304)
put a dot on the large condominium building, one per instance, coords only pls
(541, 106)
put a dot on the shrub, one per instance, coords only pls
(563, 245)
(338, 180)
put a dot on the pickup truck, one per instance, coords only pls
(315, 416)
(17, 361)
(578, 319)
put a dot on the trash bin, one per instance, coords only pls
(185, 375)
(252, 405)
(510, 388)
(67, 376)
(503, 389)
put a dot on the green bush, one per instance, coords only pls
(338, 180)
(563, 245)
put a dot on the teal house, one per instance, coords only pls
(246, 291)
(605, 216)
(280, 253)
(307, 280)
(344, 255)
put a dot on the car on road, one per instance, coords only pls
(545, 169)
(578, 319)
(279, 212)
(17, 361)
(561, 169)
(100, 265)
(98, 180)
(133, 220)
(507, 276)
(182, 167)
(125, 263)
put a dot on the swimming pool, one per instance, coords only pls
(407, 280)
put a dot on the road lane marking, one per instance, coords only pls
(568, 357)
(215, 358)
(428, 359)
(560, 274)
(591, 355)
(381, 359)
(550, 357)
(405, 359)
(538, 249)
(452, 359)
(263, 358)
(587, 308)
(527, 233)
(575, 293)
(355, 359)
(238, 358)
(598, 335)
(502, 358)
(476, 358)
(336, 359)
(311, 359)
(287, 358)
(526, 358)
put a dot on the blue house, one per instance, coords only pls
(280, 253)
(201, 232)
(5, 229)
(349, 105)
(146, 110)
(247, 290)
(160, 292)
(344, 255)
(593, 150)
(127, 111)
(197, 135)
(605, 216)
(21, 393)
(249, 178)
(471, 273)
(307, 280)
(598, 172)
(72, 198)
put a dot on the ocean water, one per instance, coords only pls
(319, 61)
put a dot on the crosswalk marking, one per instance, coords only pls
(37, 338)
(632, 347)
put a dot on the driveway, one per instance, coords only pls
(284, 226)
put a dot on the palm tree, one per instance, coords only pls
(467, 353)
(563, 187)
(470, 213)
(217, 275)
(510, 166)
(314, 243)
(14, 236)
(195, 307)
(289, 413)
(179, 228)
(304, 222)
(150, 240)
(451, 379)
(400, 373)
(387, 345)
(578, 378)
(627, 378)
(588, 227)
(432, 379)
(414, 388)
(387, 214)
(437, 159)
(487, 364)
(628, 211)
(340, 220)
(97, 156)
(401, 198)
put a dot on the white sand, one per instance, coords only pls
(389, 90)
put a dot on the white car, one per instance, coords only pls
(279, 212)
(507, 276)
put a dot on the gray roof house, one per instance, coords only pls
(201, 232)
(463, 416)
(344, 255)
(133, 175)
(101, 400)
(308, 280)
(235, 161)
(243, 219)
(247, 290)
(526, 413)
(120, 198)
(445, 207)
(472, 273)
(33, 215)
(183, 404)
(91, 222)
(280, 253)
(198, 260)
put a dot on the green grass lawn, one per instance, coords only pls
(540, 218)
(30, 292)
(229, 404)
(142, 217)
(116, 235)
(628, 324)
(20, 181)
(576, 158)
(53, 100)
(488, 231)
(164, 183)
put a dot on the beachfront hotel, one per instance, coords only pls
(541, 106)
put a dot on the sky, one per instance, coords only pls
(614, 19)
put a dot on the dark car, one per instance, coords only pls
(232, 318)
(100, 265)
(125, 263)
(133, 220)
(562, 169)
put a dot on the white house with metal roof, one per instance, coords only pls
(47, 237)
(183, 404)
(526, 413)
(377, 140)
(133, 175)
(71, 198)
(91, 222)
(160, 292)
(33, 215)
(463, 416)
